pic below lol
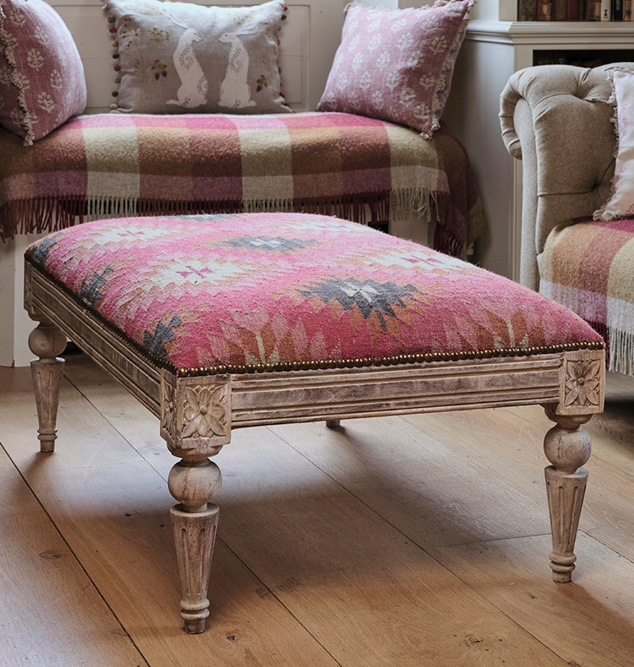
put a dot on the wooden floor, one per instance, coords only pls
(418, 540)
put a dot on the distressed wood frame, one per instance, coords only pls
(198, 413)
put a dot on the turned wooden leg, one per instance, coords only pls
(333, 423)
(194, 521)
(47, 341)
(567, 447)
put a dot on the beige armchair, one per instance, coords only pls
(556, 119)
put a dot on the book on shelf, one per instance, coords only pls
(593, 9)
(616, 10)
(575, 10)
(572, 10)
(527, 10)
(544, 10)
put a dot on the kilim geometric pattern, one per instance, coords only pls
(270, 288)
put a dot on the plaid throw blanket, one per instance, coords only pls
(587, 267)
(111, 165)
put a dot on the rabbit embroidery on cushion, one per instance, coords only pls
(193, 89)
(235, 92)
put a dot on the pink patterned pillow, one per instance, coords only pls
(42, 80)
(621, 202)
(397, 64)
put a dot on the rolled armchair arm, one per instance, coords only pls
(556, 119)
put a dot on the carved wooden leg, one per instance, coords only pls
(333, 423)
(194, 521)
(567, 447)
(47, 341)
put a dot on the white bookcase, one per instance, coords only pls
(493, 49)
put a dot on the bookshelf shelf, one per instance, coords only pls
(492, 51)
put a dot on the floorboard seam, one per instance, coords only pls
(59, 532)
(278, 600)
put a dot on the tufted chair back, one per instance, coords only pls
(556, 119)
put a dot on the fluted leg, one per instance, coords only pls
(47, 341)
(194, 521)
(567, 446)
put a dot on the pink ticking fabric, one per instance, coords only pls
(587, 267)
(109, 165)
(41, 75)
(199, 291)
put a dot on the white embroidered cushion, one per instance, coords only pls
(178, 57)
(621, 202)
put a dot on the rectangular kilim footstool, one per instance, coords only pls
(220, 322)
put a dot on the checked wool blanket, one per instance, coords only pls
(357, 168)
(589, 268)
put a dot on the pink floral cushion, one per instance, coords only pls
(42, 80)
(397, 64)
(621, 202)
(288, 289)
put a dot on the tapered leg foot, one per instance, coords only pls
(194, 521)
(567, 446)
(47, 341)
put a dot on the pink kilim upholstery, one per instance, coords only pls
(279, 289)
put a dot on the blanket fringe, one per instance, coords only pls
(44, 214)
(621, 347)
(110, 207)
(425, 203)
(49, 214)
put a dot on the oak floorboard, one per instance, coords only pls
(113, 510)
(462, 477)
(50, 612)
(619, 385)
(513, 451)
(587, 622)
(366, 593)
(431, 483)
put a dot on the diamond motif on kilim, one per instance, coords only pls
(90, 290)
(269, 243)
(40, 254)
(154, 343)
(369, 296)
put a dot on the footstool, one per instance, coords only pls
(220, 322)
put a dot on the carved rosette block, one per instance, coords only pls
(194, 522)
(46, 341)
(195, 414)
(567, 446)
(582, 388)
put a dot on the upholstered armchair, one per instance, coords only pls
(557, 120)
